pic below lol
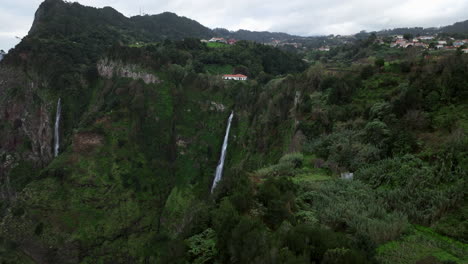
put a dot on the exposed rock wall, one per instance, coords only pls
(25, 127)
(108, 69)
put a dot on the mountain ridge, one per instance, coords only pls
(154, 25)
(140, 117)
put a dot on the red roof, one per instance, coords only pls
(234, 75)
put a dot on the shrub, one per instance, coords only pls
(410, 186)
(293, 159)
(202, 247)
(351, 206)
(377, 133)
(379, 62)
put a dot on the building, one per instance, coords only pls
(219, 40)
(324, 49)
(442, 42)
(458, 43)
(465, 50)
(422, 45)
(231, 41)
(426, 37)
(399, 42)
(237, 77)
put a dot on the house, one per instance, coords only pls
(399, 42)
(458, 43)
(231, 41)
(237, 77)
(294, 44)
(422, 45)
(324, 49)
(465, 50)
(439, 46)
(274, 43)
(219, 40)
(426, 37)
(442, 42)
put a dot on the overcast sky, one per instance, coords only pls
(300, 17)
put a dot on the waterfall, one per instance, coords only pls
(56, 131)
(219, 169)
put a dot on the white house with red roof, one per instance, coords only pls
(219, 40)
(237, 77)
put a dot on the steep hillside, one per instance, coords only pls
(169, 25)
(364, 162)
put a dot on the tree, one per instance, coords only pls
(408, 36)
(379, 62)
(202, 247)
(366, 72)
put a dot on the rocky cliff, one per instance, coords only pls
(108, 69)
(26, 129)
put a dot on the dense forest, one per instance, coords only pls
(358, 155)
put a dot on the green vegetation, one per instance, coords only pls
(423, 244)
(132, 181)
(218, 69)
(216, 45)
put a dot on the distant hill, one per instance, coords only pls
(58, 18)
(170, 25)
(105, 26)
(458, 28)
(258, 36)
(55, 17)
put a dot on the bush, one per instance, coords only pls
(293, 159)
(351, 206)
(379, 62)
(410, 186)
(202, 247)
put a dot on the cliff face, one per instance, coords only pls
(26, 131)
(108, 69)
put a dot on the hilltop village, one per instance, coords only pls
(433, 42)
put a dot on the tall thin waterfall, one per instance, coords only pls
(56, 131)
(219, 169)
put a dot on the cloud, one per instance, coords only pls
(301, 17)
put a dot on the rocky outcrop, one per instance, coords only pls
(86, 141)
(25, 127)
(108, 69)
(217, 106)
